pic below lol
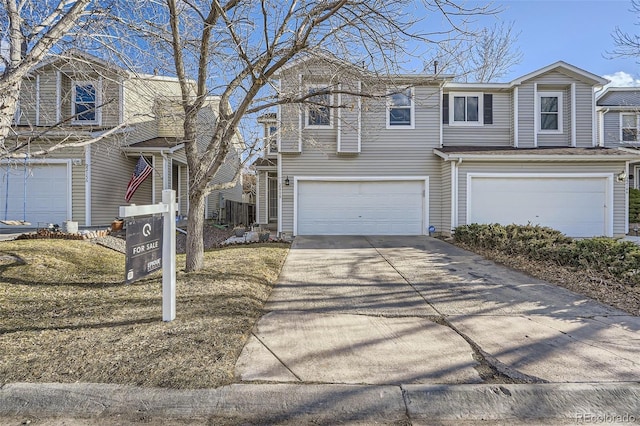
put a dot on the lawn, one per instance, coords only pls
(66, 316)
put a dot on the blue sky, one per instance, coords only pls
(575, 31)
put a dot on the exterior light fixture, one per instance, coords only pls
(620, 177)
(286, 181)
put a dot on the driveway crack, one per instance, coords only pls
(490, 369)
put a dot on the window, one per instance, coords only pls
(318, 109)
(629, 128)
(466, 109)
(272, 139)
(400, 109)
(550, 107)
(84, 107)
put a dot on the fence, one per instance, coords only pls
(237, 213)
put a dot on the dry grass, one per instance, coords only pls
(604, 289)
(67, 317)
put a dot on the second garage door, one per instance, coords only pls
(578, 206)
(379, 207)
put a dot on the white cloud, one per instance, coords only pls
(622, 79)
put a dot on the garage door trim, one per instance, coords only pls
(608, 195)
(423, 179)
(65, 162)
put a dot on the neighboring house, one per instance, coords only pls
(418, 154)
(78, 97)
(619, 123)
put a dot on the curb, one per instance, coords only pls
(555, 403)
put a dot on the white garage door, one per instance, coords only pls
(576, 206)
(39, 195)
(361, 207)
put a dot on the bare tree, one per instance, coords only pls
(627, 44)
(235, 48)
(481, 56)
(30, 30)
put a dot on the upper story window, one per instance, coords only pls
(318, 113)
(466, 109)
(400, 109)
(272, 139)
(629, 127)
(85, 102)
(550, 110)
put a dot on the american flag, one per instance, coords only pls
(140, 173)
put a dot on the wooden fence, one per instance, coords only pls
(239, 213)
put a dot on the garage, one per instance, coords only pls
(579, 205)
(361, 207)
(38, 193)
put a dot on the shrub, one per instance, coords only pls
(618, 258)
(634, 205)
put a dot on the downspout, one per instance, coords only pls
(454, 193)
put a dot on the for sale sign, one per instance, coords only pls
(144, 247)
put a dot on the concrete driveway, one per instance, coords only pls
(416, 310)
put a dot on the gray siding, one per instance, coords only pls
(385, 152)
(445, 205)
(619, 196)
(348, 119)
(110, 174)
(496, 134)
(261, 204)
(611, 123)
(556, 81)
(526, 114)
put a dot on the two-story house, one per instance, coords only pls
(418, 154)
(78, 97)
(619, 123)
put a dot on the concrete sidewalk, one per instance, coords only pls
(264, 404)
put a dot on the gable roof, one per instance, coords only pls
(619, 97)
(562, 66)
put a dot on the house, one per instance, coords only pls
(618, 111)
(78, 97)
(422, 154)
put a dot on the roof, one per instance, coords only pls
(330, 58)
(579, 73)
(265, 162)
(481, 153)
(155, 145)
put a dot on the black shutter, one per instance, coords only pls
(445, 108)
(488, 109)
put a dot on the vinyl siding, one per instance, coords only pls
(612, 129)
(348, 118)
(27, 103)
(77, 71)
(261, 208)
(620, 210)
(556, 81)
(110, 173)
(385, 152)
(526, 123)
(496, 134)
(445, 205)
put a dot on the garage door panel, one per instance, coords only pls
(360, 208)
(576, 206)
(39, 195)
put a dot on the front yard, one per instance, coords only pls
(66, 316)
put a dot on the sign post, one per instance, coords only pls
(145, 243)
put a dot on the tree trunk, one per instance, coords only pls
(195, 226)
(8, 104)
